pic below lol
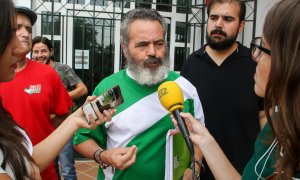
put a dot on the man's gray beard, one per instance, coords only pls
(146, 76)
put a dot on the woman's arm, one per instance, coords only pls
(4, 176)
(211, 151)
(46, 151)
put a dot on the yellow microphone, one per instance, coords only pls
(171, 98)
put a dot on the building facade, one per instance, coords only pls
(86, 33)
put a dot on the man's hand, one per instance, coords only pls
(188, 174)
(119, 158)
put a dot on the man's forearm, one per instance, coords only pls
(87, 148)
(79, 90)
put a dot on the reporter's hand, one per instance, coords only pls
(79, 117)
(119, 158)
(198, 132)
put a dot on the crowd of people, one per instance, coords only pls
(241, 105)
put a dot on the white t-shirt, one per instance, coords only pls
(28, 145)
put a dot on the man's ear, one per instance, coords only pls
(52, 52)
(125, 49)
(241, 27)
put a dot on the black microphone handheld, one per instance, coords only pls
(171, 98)
(183, 129)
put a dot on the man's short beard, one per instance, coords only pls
(46, 59)
(146, 76)
(220, 45)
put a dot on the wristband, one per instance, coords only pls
(97, 158)
(201, 166)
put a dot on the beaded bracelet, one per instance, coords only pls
(202, 168)
(97, 158)
(201, 165)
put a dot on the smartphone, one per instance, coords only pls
(110, 99)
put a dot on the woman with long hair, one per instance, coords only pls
(18, 159)
(277, 80)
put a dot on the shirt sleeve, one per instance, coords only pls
(27, 143)
(199, 114)
(72, 77)
(98, 135)
(4, 171)
(61, 102)
(1, 161)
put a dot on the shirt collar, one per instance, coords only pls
(239, 50)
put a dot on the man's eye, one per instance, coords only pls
(228, 19)
(213, 18)
(141, 45)
(160, 44)
(29, 30)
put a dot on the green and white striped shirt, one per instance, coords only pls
(142, 121)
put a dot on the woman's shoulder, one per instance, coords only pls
(27, 143)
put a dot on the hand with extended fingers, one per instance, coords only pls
(81, 120)
(198, 132)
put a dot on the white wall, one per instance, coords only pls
(263, 6)
(26, 3)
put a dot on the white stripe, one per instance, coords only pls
(144, 113)
(134, 120)
(190, 92)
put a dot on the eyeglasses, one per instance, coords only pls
(256, 48)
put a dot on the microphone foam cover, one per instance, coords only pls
(170, 96)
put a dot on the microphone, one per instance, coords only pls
(171, 98)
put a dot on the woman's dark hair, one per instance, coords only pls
(44, 40)
(282, 32)
(8, 26)
(11, 139)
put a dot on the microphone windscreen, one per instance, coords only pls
(170, 96)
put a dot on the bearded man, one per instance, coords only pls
(222, 71)
(133, 143)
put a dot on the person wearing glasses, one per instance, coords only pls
(222, 71)
(277, 80)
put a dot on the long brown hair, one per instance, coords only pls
(282, 32)
(11, 139)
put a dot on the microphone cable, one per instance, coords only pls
(193, 167)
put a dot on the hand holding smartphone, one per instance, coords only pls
(110, 99)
